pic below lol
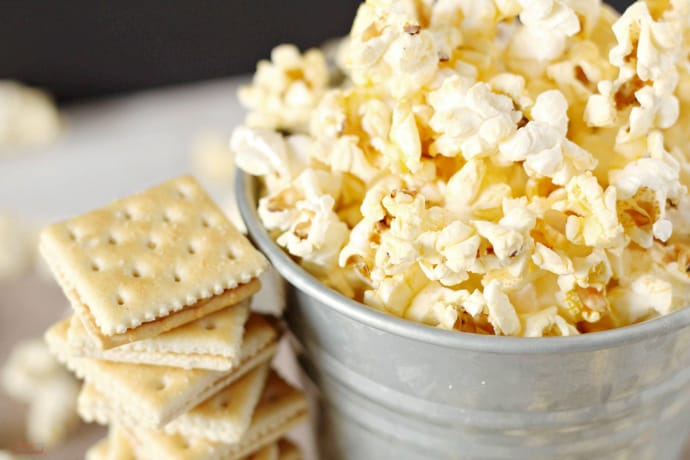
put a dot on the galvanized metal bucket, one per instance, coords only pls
(393, 389)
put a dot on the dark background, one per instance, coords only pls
(84, 48)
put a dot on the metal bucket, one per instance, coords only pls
(393, 389)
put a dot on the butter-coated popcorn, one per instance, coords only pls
(510, 167)
(594, 221)
(542, 144)
(437, 306)
(546, 26)
(552, 261)
(285, 90)
(476, 190)
(546, 322)
(261, 152)
(646, 295)
(394, 293)
(448, 253)
(404, 136)
(470, 118)
(316, 233)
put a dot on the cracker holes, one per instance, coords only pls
(209, 326)
(191, 250)
(112, 241)
(95, 267)
(125, 214)
(176, 277)
(205, 222)
(72, 236)
(181, 194)
(224, 404)
(120, 300)
(136, 273)
(166, 218)
(162, 383)
(230, 254)
(151, 244)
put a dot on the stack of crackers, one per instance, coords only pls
(172, 358)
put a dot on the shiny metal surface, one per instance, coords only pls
(393, 389)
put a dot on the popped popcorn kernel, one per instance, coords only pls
(285, 89)
(470, 118)
(594, 221)
(547, 23)
(502, 313)
(545, 323)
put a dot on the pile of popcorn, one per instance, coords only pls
(509, 167)
(28, 117)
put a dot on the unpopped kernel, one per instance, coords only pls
(497, 167)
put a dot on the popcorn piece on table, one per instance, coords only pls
(28, 117)
(33, 376)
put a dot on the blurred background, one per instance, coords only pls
(79, 49)
(145, 91)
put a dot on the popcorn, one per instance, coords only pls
(546, 322)
(470, 118)
(547, 24)
(259, 151)
(212, 157)
(28, 117)
(579, 73)
(285, 91)
(645, 46)
(595, 220)
(488, 173)
(315, 234)
(475, 191)
(502, 314)
(436, 305)
(404, 136)
(645, 294)
(647, 54)
(394, 293)
(552, 261)
(388, 47)
(32, 375)
(542, 143)
(658, 174)
(448, 254)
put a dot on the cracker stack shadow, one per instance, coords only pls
(162, 334)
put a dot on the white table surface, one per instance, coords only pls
(110, 148)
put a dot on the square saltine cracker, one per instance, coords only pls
(151, 262)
